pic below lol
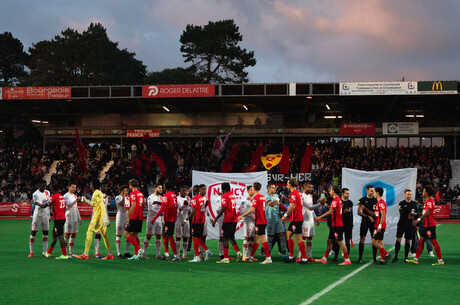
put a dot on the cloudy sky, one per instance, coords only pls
(293, 40)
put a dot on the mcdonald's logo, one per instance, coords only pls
(437, 85)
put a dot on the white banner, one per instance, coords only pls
(378, 88)
(393, 182)
(400, 128)
(238, 183)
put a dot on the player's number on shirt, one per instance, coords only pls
(62, 204)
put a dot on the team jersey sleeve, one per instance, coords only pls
(118, 199)
(193, 203)
(70, 201)
(223, 202)
(254, 204)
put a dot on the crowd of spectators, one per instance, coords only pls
(21, 168)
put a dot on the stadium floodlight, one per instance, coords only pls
(45, 122)
(36, 121)
(246, 108)
(330, 117)
(309, 97)
(420, 116)
(339, 116)
(410, 116)
(166, 108)
(327, 106)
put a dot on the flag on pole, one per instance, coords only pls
(81, 152)
(219, 144)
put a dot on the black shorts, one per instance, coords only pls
(336, 233)
(228, 230)
(59, 226)
(260, 230)
(366, 226)
(378, 235)
(428, 233)
(169, 228)
(406, 229)
(135, 226)
(296, 227)
(348, 232)
(197, 230)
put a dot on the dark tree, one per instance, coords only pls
(13, 60)
(174, 76)
(214, 52)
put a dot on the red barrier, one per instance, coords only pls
(15, 208)
(441, 211)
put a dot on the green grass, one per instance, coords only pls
(47, 281)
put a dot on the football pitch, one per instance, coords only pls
(41, 280)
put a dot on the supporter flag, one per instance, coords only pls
(219, 144)
(162, 156)
(81, 152)
(141, 164)
(272, 160)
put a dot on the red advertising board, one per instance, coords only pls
(15, 209)
(441, 211)
(140, 133)
(357, 129)
(85, 209)
(162, 91)
(36, 93)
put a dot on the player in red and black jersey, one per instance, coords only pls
(258, 208)
(135, 218)
(429, 231)
(228, 206)
(295, 227)
(57, 202)
(336, 229)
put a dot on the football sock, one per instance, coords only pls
(97, 243)
(196, 246)
(383, 253)
(45, 243)
(117, 244)
(437, 249)
(291, 245)
(235, 246)
(282, 242)
(245, 248)
(266, 249)
(326, 254)
(31, 243)
(421, 245)
(133, 242)
(254, 249)
(71, 244)
(158, 244)
(336, 249)
(185, 246)
(178, 244)
(250, 245)
(127, 246)
(397, 247)
(146, 242)
(309, 247)
(203, 245)
(406, 249)
(361, 250)
(374, 253)
(172, 243)
(346, 256)
(221, 248)
(50, 250)
(226, 253)
(165, 245)
(302, 250)
(64, 251)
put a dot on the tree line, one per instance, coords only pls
(90, 58)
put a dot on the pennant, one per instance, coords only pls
(81, 152)
(270, 161)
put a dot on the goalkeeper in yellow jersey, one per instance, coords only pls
(99, 221)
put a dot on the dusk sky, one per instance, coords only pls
(293, 41)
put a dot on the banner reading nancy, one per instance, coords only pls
(393, 182)
(238, 184)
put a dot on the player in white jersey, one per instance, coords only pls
(41, 217)
(309, 216)
(72, 216)
(183, 231)
(154, 206)
(220, 223)
(97, 236)
(123, 204)
(249, 226)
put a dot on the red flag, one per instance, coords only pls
(81, 152)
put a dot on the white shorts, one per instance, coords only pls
(40, 221)
(308, 229)
(71, 227)
(182, 231)
(120, 223)
(249, 229)
(155, 228)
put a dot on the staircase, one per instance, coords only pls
(51, 171)
(105, 169)
(455, 165)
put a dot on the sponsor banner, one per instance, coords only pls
(15, 209)
(357, 129)
(140, 133)
(441, 211)
(85, 209)
(283, 178)
(161, 91)
(378, 88)
(36, 93)
(437, 87)
(238, 183)
(397, 128)
(393, 182)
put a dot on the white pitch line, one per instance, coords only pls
(333, 285)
